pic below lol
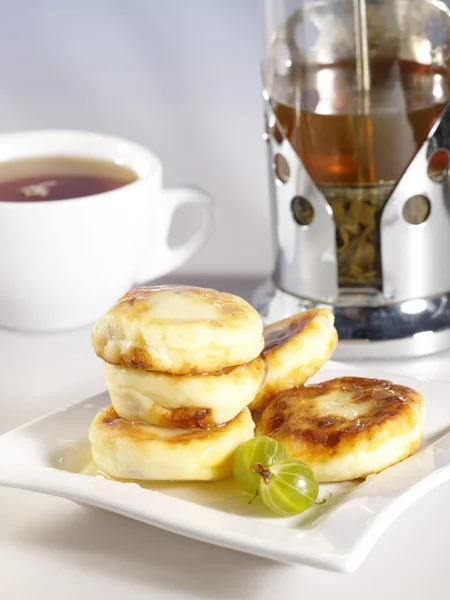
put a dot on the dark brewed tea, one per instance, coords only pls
(356, 149)
(59, 178)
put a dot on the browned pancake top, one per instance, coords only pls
(296, 414)
(140, 299)
(279, 333)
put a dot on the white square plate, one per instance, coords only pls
(51, 455)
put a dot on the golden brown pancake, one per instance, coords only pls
(294, 350)
(346, 428)
(179, 329)
(145, 452)
(171, 400)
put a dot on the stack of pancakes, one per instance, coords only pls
(184, 367)
(181, 366)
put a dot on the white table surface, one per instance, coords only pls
(53, 549)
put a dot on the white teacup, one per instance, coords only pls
(64, 262)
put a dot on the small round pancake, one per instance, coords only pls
(295, 349)
(183, 400)
(144, 452)
(346, 428)
(178, 329)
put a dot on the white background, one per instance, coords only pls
(180, 76)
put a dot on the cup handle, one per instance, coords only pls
(169, 259)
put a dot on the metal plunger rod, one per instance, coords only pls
(362, 46)
(364, 130)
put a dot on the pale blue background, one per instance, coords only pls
(181, 76)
